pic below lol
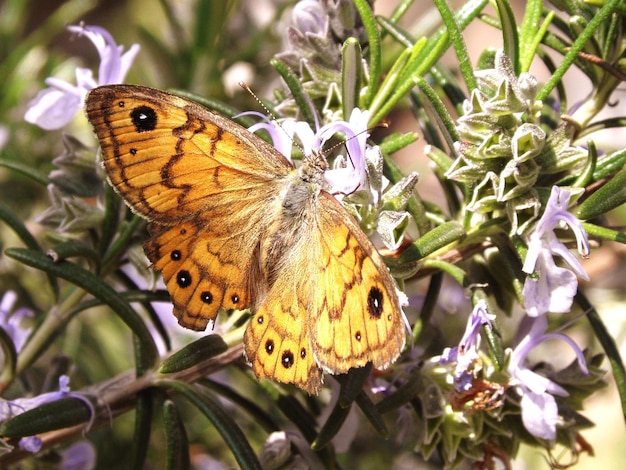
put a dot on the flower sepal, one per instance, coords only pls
(77, 172)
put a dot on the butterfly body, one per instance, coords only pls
(234, 225)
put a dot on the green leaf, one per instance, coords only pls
(259, 416)
(143, 425)
(439, 111)
(373, 37)
(96, 287)
(177, 444)
(608, 345)
(351, 71)
(190, 355)
(27, 238)
(368, 408)
(601, 16)
(9, 356)
(608, 197)
(297, 92)
(221, 419)
(397, 141)
(430, 242)
(332, 426)
(294, 410)
(352, 384)
(605, 233)
(71, 249)
(51, 416)
(26, 170)
(509, 33)
(456, 38)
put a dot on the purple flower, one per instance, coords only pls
(79, 456)
(11, 321)
(465, 355)
(54, 107)
(349, 172)
(551, 288)
(540, 413)
(30, 444)
(310, 18)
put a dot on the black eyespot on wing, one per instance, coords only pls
(183, 278)
(206, 297)
(176, 255)
(269, 346)
(144, 118)
(287, 359)
(235, 298)
(375, 302)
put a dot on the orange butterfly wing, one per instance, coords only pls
(202, 181)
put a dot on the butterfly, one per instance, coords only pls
(234, 225)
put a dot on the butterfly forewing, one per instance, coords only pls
(203, 187)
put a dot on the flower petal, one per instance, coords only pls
(52, 109)
(540, 414)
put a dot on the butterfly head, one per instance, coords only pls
(313, 168)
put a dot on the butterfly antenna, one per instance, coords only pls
(269, 113)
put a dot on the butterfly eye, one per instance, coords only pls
(375, 302)
(144, 118)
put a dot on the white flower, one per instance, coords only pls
(349, 172)
(54, 107)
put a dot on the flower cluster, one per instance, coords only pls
(548, 288)
(315, 36)
(501, 156)
(503, 149)
(77, 174)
